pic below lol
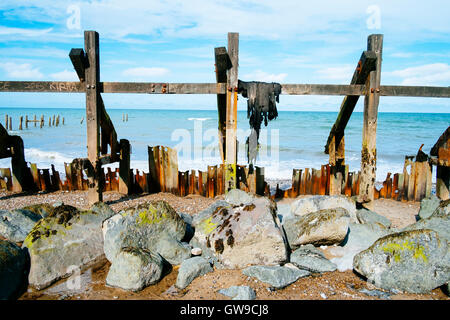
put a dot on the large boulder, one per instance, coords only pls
(368, 216)
(428, 206)
(66, 240)
(324, 227)
(154, 226)
(309, 204)
(311, 259)
(239, 235)
(16, 224)
(134, 269)
(14, 268)
(439, 224)
(277, 276)
(442, 210)
(191, 269)
(359, 238)
(42, 209)
(413, 261)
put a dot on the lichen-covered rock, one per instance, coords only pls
(239, 293)
(153, 226)
(242, 235)
(42, 209)
(16, 224)
(442, 210)
(237, 197)
(191, 269)
(309, 204)
(413, 261)
(134, 269)
(368, 216)
(65, 240)
(428, 206)
(277, 276)
(14, 268)
(324, 227)
(311, 259)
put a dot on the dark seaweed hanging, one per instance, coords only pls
(261, 105)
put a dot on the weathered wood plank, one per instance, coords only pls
(223, 63)
(366, 64)
(371, 101)
(231, 112)
(93, 114)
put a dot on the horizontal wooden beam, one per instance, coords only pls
(218, 88)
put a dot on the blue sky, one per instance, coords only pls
(173, 41)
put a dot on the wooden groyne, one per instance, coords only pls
(103, 146)
(55, 122)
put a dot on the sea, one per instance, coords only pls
(293, 140)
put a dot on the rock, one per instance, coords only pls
(238, 197)
(376, 293)
(428, 206)
(239, 293)
(359, 238)
(196, 251)
(411, 261)
(67, 240)
(442, 210)
(14, 268)
(153, 226)
(277, 276)
(324, 227)
(42, 209)
(239, 236)
(16, 224)
(134, 269)
(439, 224)
(368, 216)
(311, 204)
(191, 269)
(311, 259)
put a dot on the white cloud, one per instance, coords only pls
(21, 71)
(143, 73)
(24, 32)
(341, 73)
(428, 74)
(260, 75)
(65, 75)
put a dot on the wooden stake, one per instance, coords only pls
(369, 149)
(91, 43)
(231, 113)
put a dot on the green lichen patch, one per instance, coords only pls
(64, 214)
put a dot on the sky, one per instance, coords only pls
(173, 41)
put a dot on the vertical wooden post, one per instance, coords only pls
(35, 124)
(10, 123)
(42, 121)
(92, 72)
(231, 112)
(336, 151)
(21, 175)
(371, 100)
(124, 167)
(26, 121)
(20, 125)
(222, 64)
(6, 122)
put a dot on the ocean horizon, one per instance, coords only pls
(296, 139)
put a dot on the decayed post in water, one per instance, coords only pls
(91, 44)
(231, 112)
(369, 146)
(124, 167)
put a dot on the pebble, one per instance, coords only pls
(323, 295)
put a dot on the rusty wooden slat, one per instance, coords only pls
(395, 192)
(192, 182)
(412, 182)
(348, 184)
(323, 180)
(388, 186)
(35, 174)
(201, 189)
(220, 179)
